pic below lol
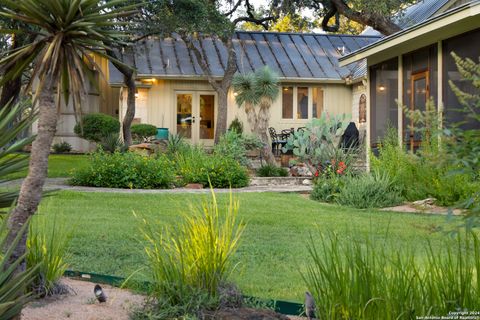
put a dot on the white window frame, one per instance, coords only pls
(295, 101)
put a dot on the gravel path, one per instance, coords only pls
(61, 184)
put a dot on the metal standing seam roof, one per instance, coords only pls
(292, 55)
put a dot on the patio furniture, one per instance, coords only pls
(278, 140)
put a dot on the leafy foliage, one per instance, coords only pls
(126, 170)
(192, 260)
(365, 278)
(143, 131)
(62, 147)
(272, 171)
(236, 125)
(96, 126)
(232, 145)
(195, 166)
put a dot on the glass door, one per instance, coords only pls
(185, 115)
(195, 116)
(418, 101)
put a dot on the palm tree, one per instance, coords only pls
(258, 89)
(68, 33)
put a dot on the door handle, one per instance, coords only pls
(193, 119)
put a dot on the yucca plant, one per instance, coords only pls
(190, 261)
(68, 34)
(13, 285)
(47, 245)
(13, 121)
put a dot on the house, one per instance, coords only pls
(318, 72)
(173, 91)
(414, 65)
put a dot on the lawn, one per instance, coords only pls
(273, 249)
(59, 165)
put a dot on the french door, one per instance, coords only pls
(419, 93)
(195, 116)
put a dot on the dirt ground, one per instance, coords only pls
(81, 304)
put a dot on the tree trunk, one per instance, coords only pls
(130, 113)
(377, 21)
(221, 125)
(32, 187)
(251, 116)
(262, 127)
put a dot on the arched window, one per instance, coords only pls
(362, 109)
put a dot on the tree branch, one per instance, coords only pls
(235, 7)
(373, 19)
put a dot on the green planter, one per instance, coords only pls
(162, 133)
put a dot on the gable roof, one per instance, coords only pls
(294, 56)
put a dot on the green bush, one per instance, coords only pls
(195, 166)
(126, 170)
(232, 145)
(272, 171)
(375, 190)
(96, 126)
(191, 261)
(364, 278)
(62, 147)
(112, 143)
(236, 126)
(326, 189)
(143, 131)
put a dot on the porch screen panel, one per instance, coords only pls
(465, 46)
(383, 92)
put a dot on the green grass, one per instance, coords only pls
(273, 248)
(59, 165)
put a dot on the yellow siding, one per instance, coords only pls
(159, 102)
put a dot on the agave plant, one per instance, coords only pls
(13, 121)
(13, 285)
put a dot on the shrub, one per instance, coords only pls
(236, 126)
(195, 166)
(126, 170)
(232, 145)
(363, 278)
(375, 190)
(326, 189)
(272, 171)
(142, 132)
(192, 260)
(96, 126)
(62, 147)
(47, 245)
(176, 144)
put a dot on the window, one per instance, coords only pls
(303, 107)
(317, 107)
(287, 103)
(362, 109)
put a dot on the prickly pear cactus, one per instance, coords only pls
(318, 143)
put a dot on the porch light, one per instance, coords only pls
(381, 88)
(235, 94)
(136, 94)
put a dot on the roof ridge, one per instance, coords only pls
(309, 34)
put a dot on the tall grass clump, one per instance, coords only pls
(192, 260)
(364, 278)
(47, 245)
